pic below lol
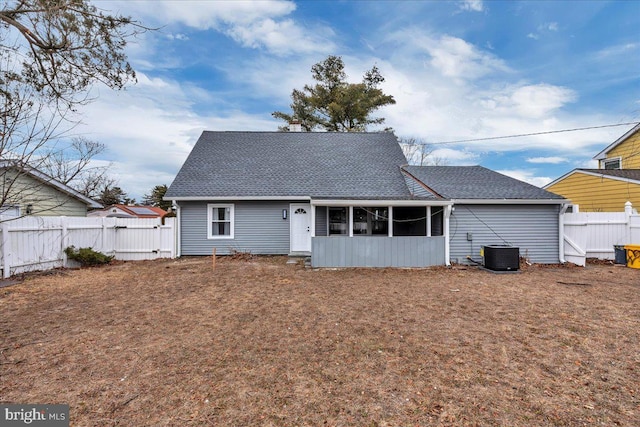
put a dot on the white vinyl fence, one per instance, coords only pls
(37, 243)
(594, 234)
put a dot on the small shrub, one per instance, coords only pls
(240, 255)
(87, 256)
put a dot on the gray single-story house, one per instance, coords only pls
(350, 200)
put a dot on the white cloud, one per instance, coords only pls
(533, 101)
(178, 36)
(205, 15)
(624, 49)
(551, 160)
(454, 57)
(281, 37)
(486, 101)
(544, 28)
(527, 176)
(150, 128)
(472, 5)
(448, 156)
(253, 24)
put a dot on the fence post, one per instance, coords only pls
(104, 235)
(628, 210)
(6, 251)
(172, 224)
(64, 239)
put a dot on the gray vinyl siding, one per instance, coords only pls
(532, 228)
(321, 221)
(377, 251)
(259, 229)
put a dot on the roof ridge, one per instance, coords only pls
(299, 133)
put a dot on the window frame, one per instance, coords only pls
(611, 160)
(436, 221)
(346, 223)
(210, 221)
(16, 208)
(371, 217)
(425, 217)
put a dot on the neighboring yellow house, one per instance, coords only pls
(27, 191)
(608, 188)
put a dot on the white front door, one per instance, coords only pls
(300, 230)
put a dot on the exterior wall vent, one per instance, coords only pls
(501, 257)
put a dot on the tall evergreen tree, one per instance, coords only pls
(155, 197)
(335, 105)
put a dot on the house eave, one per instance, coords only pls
(594, 174)
(63, 188)
(381, 202)
(603, 154)
(557, 180)
(510, 201)
(317, 201)
(240, 198)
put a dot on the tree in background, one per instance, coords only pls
(155, 198)
(420, 153)
(63, 47)
(114, 196)
(72, 165)
(52, 52)
(335, 105)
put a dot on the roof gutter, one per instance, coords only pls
(510, 201)
(382, 202)
(318, 202)
(225, 198)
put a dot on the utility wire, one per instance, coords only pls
(528, 134)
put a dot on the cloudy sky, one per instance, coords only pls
(458, 70)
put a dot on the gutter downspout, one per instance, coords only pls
(447, 250)
(563, 210)
(178, 240)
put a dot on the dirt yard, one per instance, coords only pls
(261, 342)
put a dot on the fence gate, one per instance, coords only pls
(594, 234)
(37, 243)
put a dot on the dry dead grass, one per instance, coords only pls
(260, 342)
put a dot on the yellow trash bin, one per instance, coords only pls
(633, 256)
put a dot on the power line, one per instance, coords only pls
(528, 134)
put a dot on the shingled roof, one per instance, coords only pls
(631, 174)
(320, 165)
(476, 182)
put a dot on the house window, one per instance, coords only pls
(338, 221)
(371, 221)
(437, 221)
(615, 163)
(410, 221)
(221, 221)
(10, 210)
